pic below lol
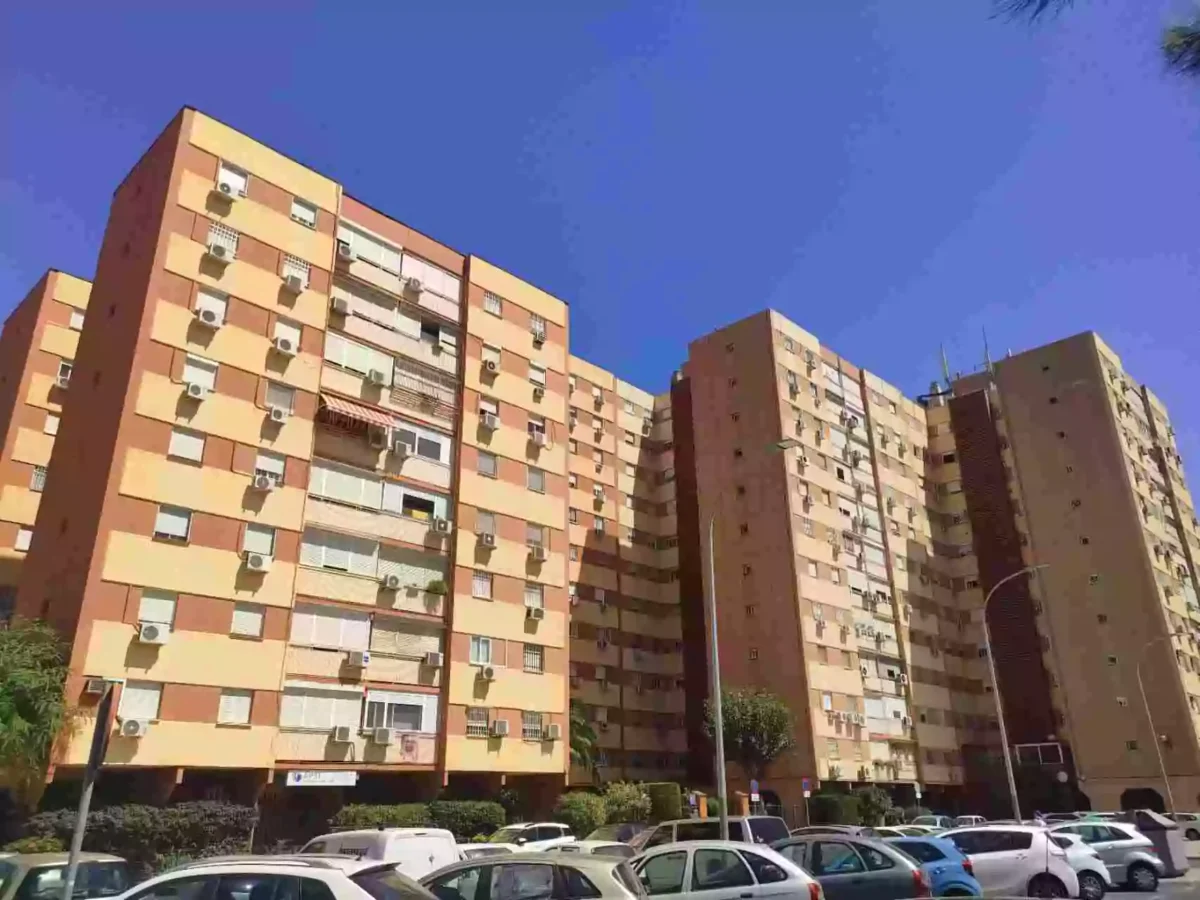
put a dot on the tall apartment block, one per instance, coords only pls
(37, 350)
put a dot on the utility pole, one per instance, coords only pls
(95, 760)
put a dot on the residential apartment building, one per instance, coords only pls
(37, 350)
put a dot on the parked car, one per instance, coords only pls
(534, 876)
(849, 867)
(720, 870)
(948, 869)
(618, 831)
(533, 835)
(933, 821)
(339, 877)
(39, 876)
(748, 829)
(881, 832)
(478, 851)
(1094, 880)
(833, 829)
(616, 849)
(1189, 824)
(1052, 818)
(1129, 855)
(968, 821)
(1016, 861)
(414, 851)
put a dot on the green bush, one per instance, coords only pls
(713, 805)
(911, 812)
(894, 816)
(666, 801)
(466, 818)
(581, 811)
(373, 815)
(146, 834)
(625, 801)
(833, 809)
(35, 845)
(873, 804)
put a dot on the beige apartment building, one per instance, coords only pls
(37, 350)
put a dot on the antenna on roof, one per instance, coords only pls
(945, 367)
(987, 354)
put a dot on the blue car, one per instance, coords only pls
(948, 869)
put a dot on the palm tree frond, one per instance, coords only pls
(1031, 10)
(1181, 47)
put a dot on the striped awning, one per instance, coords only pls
(357, 411)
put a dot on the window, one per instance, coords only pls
(573, 516)
(537, 325)
(535, 658)
(531, 726)
(534, 535)
(427, 444)
(76, 321)
(157, 607)
(197, 370)
(537, 425)
(369, 249)
(485, 522)
(210, 301)
(487, 464)
(247, 620)
(234, 177)
(1131, 745)
(234, 708)
(319, 707)
(259, 539)
(331, 627)
(481, 585)
(536, 480)
(664, 874)
(715, 869)
(186, 445)
(37, 481)
(24, 537)
(477, 721)
(271, 465)
(280, 396)
(481, 651)
(812, 569)
(764, 870)
(400, 711)
(172, 523)
(287, 331)
(875, 860)
(51, 424)
(304, 213)
(492, 304)
(535, 596)
(139, 700)
(834, 858)
(537, 374)
(221, 235)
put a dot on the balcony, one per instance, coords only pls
(656, 740)
(368, 522)
(364, 591)
(653, 663)
(414, 284)
(407, 748)
(382, 668)
(434, 355)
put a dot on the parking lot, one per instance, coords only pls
(1185, 888)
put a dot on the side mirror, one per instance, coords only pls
(522, 840)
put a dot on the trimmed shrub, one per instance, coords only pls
(833, 809)
(873, 804)
(625, 801)
(466, 818)
(35, 845)
(666, 801)
(378, 815)
(581, 811)
(911, 812)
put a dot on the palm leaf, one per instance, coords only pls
(1181, 47)
(1030, 10)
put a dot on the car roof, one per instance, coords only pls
(589, 845)
(326, 861)
(710, 845)
(584, 861)
(990, 826)
(388, 832)
(52, 859)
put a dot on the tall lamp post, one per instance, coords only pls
(987, 644)
(1162, 765)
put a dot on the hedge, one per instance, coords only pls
(625, 801)
(465, 818)
(146, 835)
(666, 801)
(833, 809)
(580, 811)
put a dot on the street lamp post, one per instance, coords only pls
(987, 644)
(1162, 765)
(715, 663)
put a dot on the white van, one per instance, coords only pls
(415, 851)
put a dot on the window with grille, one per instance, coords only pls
(37, 481)
(492, 304)
(537, 325)
(477, 721)
(481, 585)
(271, 465)
(535, 595)
(535, 658)
(294, 265)
(531, 726)
(223, 236)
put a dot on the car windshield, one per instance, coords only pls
(7, 871)
(622, 831)
(768, 829)
(919, 851)
(388, 884)
(509, 835)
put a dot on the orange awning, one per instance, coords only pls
(357, 411)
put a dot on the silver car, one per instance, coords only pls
(1127, 853)
(535, 876)
(723, 870)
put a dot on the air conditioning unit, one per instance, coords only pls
(209, 318)
(390, 582)
(487, 673)
(539, 336)
(490, 366)
(377, 376)
(598, 435)
(537, 552)
(538, 392)
(487, 539)
(263, 483)
(293, 284)
(536, 613)
(195, 390)
(134, 728)
(598, 491)
(63, 381)
(434, 659)
(538, 438)
(499, 728)
(488, 420)
(402, 450)
(340, 305)
(278, 414)
(226, 190)
(378, 437)
(284, 346)
(345, 251)
(342, 734)
(258, 562)
(382, 736)
(219, 253)
(553, 732)
(646, 426)
(414, 285)
(358, 659)
(94, 687)
(441, 526)
(903, 679)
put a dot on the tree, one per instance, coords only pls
(625, 801)
(583, 739)
(873, 804)
(1180, 43)
(758, 728)
(33, 707)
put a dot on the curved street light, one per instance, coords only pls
(1162, 766)
(987, 644)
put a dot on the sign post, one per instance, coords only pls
(95, 759)
(806, 786)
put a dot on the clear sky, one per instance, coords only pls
(892, 175)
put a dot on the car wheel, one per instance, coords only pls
(956, 892)
(1143, 878)
(1047, 886)
(1192, 834)
(1091, 886)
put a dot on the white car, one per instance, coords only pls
(1094, 879)
(246, 877)
(1016, 861)
(529, 836)
(615, 849)
(716, 870)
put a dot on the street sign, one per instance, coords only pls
(917, 790)
(805, 784)
(322, 778)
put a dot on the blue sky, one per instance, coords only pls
(893, 175)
